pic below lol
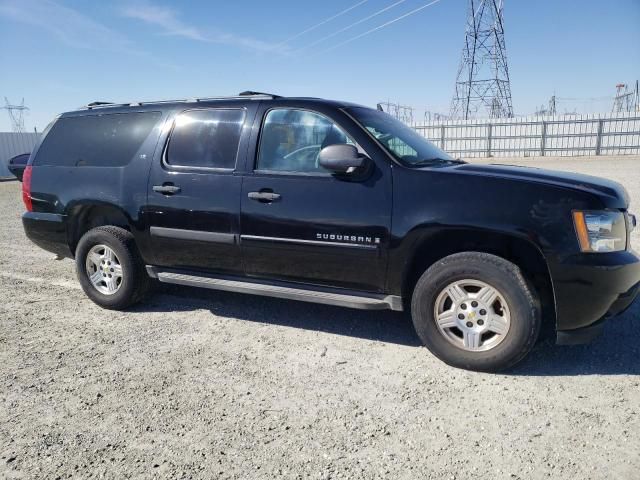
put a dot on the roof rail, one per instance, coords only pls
(92, 105)
(95, 104)
(99, 104)
(242, 95)
(250, 93)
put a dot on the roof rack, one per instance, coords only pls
(250, 93)
(99, 104)
(95, 104)
(241, 95)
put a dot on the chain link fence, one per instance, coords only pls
(597, 134)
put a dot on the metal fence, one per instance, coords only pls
(12, 144)
(597, 134)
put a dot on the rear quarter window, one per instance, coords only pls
(109, 140)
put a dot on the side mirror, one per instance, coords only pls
(17, 165)
(340, 158)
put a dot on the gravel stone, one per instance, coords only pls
(202, 384)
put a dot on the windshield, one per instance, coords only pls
(400, 140)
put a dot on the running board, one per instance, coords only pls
(315, 294)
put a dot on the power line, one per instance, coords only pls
(586, 99)
(386, 24)
(323, 22)
(348, 27)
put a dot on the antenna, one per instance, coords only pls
(482, 85)
(16, 114)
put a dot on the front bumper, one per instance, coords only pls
(48, 231)
(590, 288)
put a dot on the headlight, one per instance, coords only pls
(600, 231)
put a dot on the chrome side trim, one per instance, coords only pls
(362, 246)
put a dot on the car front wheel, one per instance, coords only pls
(476, 311)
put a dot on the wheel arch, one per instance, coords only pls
(429, 248)
(83, 217)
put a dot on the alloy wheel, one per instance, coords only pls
(104, 269)
(472, 315)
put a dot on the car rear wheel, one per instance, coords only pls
(110, 269)
(476, 311)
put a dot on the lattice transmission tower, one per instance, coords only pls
(403, 113)
(482, 85)
(16, 114)
(627, 99)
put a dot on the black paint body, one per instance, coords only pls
(404, 214)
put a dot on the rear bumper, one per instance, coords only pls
(592, 288)
(48, 231)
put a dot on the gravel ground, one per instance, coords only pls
(218, 385)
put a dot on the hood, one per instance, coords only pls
(612, 194)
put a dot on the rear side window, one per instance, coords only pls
(110, 140)
(206, 138)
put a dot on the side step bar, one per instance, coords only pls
(315, 294)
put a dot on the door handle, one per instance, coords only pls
(264, 196)
(166, 189)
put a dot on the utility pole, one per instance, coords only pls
(482, 86)
(16, 114)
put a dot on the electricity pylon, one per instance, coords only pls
(16, 114)
(626, 100)
(482, 86)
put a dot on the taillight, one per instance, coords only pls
(26, 188)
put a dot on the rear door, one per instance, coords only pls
(301, 223)
(194, 190)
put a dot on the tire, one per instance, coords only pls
(496, 332)
(114, 288)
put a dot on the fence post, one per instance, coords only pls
(489, 140)
(442, 136)
(543, 138)
(599, 137)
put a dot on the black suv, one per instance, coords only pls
(334, 203)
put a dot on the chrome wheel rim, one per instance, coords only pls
(104, 269)
(472, 315)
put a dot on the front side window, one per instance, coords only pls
(400, 140)
(206, 138)
(291, 140)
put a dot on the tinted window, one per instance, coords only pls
(400, 140)
(292, 139)
(96, 140)
(206, 138)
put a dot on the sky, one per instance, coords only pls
(63, 54)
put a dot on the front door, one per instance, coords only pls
(301, 223)
(193, 199)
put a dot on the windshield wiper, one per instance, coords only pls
(437, 160)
